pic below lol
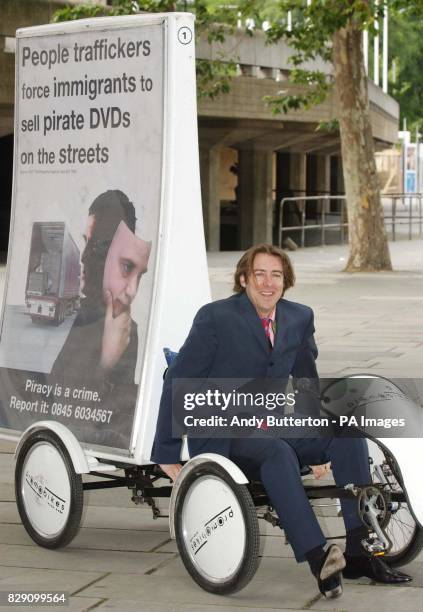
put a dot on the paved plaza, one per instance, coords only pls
(122, 559)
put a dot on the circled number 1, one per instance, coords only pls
(184, 35)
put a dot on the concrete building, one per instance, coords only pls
(275, 156)
(249, 158)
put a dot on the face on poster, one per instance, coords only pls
(89, 126)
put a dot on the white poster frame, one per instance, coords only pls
(181, 283)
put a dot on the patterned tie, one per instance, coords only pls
(268, 330)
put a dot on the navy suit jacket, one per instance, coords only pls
(227, 340)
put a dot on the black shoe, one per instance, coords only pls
(374, 568)
(329, 578)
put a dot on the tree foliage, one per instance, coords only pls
(406, 52)
(213, 23)
(309, 34)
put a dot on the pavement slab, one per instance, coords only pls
(85, 559)
(126, 604)
(9, 513)
(46, 579)
(75, 604)
(79, 604)
(386, 598)
(7, 447)
(52, 580)
(119, 540)
(259, 594)
(113, 517)
(7, 492)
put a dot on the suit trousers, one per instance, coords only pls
(276, 462)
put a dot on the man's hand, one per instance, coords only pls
(320, 470)
(115, 335)
(171, 469)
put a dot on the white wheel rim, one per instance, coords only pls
(401, 530)
(213, 529)
(46, 490)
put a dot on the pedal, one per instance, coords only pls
(374, 546)
(372, 509)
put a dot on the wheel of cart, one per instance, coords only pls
(214, 519)
(49, 493)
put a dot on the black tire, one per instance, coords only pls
(401, 527)
(61, 512)
(248, 563)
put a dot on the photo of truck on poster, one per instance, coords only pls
(54, 272)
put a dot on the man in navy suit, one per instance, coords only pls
(259, 335)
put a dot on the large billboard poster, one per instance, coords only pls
(86, 204)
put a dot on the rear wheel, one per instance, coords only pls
(217, 530)
(49, 494)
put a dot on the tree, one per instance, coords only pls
(367, 234)
(332, 30)
(406, 51)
